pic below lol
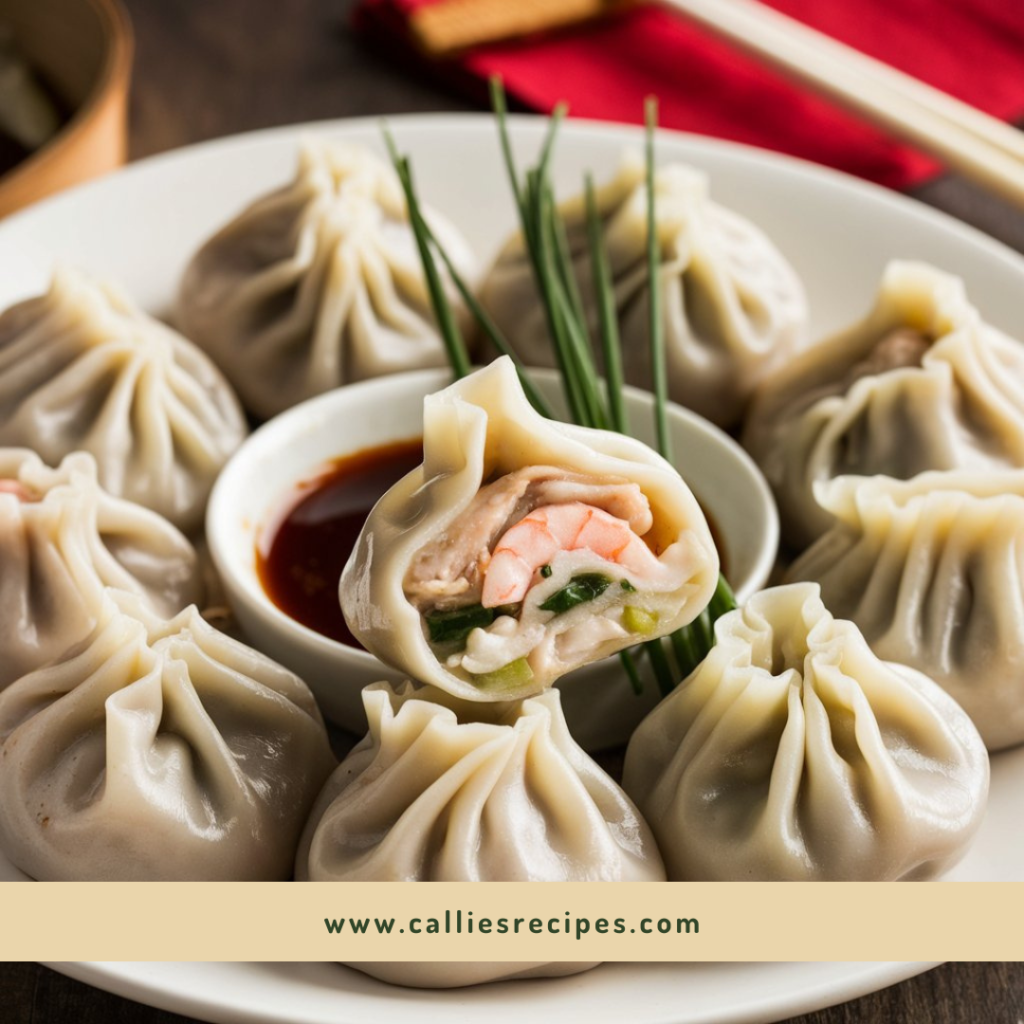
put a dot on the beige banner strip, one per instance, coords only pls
(506, 921)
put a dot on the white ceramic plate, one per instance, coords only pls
(141, 225)
(293, 993)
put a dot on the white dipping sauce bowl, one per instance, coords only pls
(263, 477)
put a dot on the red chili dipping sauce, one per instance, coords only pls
(299, 561)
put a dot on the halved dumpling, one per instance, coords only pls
(523, 548)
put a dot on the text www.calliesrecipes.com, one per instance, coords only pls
(460, 922)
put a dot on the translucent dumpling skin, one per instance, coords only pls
(523, 548)
(63, 538)
(318, 283)
(733, 307)
(931, 570)
(447, 790)
(84, 369)
(158, 750)
(792, 753)
(457, 974)
(921, 383)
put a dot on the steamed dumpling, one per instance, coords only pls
(457, 974)
(81, 368)
(792, 753)
(62, 540)
(732, 305)
(932, 572)
(523, 548)
(920, 384)
(159, 750)
(447, 790)
(318, 284)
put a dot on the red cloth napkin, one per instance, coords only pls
(973, 49)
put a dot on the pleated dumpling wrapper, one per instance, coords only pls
(458, 974)
(793, 753)
(160, 750)
(62, 540)
(920, 384)
(932, 572)
(82, 368)
(732, 305)
(446, 790)
(523, 548)
(319, 283)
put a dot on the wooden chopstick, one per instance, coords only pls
(452, 26)
(979, 146)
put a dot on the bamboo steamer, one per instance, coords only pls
(83, 48)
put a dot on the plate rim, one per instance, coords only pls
(836, 185)
(596, 127)
(111, 976)
(823, 994)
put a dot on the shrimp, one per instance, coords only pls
(450, 569)
(546, 532)
(16, 488)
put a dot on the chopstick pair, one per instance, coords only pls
(980, 147)
(977, 145)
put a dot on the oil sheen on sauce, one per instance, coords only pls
(299, 561)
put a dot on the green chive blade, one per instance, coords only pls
(491, 329)
(611, 343)
(548, 147)
(574, 340)
(451, 336)
(656, 325)
(547, 283)
(564, 253)
(660, 664)
(500, 108)
(631, 672)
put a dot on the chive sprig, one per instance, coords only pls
(591, 403)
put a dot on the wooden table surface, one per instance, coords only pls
(206, 68)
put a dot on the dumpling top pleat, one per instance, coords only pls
(733, 307)
(158, 750)
(921, 383)
(63, 538)
(793, 753)
(932, 571)
(442, 789)
(318, 284)
(83, 369)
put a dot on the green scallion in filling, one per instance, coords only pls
(454, 625)
(513, 676)
(578, 590)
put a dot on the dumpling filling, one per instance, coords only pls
(901, 349)
(19, 490)
(541, 568)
